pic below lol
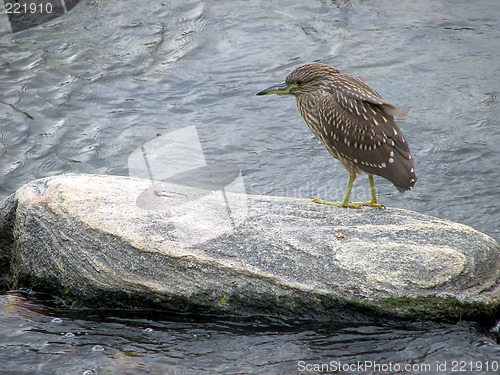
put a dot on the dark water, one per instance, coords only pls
(39, 337)
(82, 92)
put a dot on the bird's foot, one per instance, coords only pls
(349, 204)
(336, 204)
(368, 204)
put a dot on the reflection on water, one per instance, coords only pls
(81, 93)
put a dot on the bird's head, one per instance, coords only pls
(303, 79)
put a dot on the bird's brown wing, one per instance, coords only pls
(361, 131)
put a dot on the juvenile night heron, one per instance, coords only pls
(354, 124)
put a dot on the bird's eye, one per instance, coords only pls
(299, 83)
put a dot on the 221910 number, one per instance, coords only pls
(472, 366)
(18, 8)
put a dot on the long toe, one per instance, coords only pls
(349, 204)
(368, 204)
(337, 204)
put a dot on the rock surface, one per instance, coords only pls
(121, 242)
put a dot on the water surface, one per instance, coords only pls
(81, 93)
(39, 336)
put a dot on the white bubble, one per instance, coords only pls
(148, 330)
(69, 334)
(98, 348)
(57, 320)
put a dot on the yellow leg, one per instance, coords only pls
(373, 202)
(345, 203)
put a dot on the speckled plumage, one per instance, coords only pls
(354, 123)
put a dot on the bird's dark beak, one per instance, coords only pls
(279, 89)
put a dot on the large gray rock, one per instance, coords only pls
(117, 241)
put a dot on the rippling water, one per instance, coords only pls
(40, 337)
(82, 92)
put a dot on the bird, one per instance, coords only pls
(354, 124)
